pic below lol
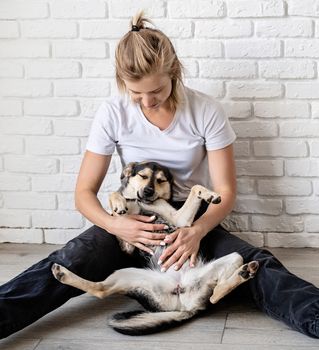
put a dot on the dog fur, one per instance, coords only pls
(172, 297)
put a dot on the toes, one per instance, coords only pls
(216, 200)
(244, 273)
(57, 273)
(249, 270)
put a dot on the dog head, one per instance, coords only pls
(146, 181)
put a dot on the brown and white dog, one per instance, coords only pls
(172, 297)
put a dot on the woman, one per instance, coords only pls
(157, 119)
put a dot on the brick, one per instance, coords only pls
(175, 28)
(10, 182)
(275, 109)
(227, 69)
(29, 200)
(78, 9)
(101, 29)
(284, 28)
(9, 144)
(302, 206)
(242, 149)
(252, 48)
(292, 240)
(96, 68)
(315, 109)
(255, 8)
(190, 68)
(66, 201)
(89, 107)
(10, 107)
(31, 165)
(284, 187)
(302, 90)
(258, 206)
(52, 146)
(25, 126)
(277, 224)
(25, 88)
(82, 88)
(316, 187)
(299, 129)
(260, 167)
(27, 235)
(9, 218)
(254, 90)
(53, 69)
(312, 224)
(57, 183)
(314, 148)
(51, 107)
(237, 110)
(56, 219)
(254, 238)
(211, 87)
(49, 29)
(71, 164)
(198, 48)
(303, 8)
(60, 236)
(11, 69)
(255, 129)
(302, 48)
(287, 69)
(196, 8)
(302, 167)
(83, 49)
(128, 8)
(24, 49)
(8, 29)
(223, 29)
(11, 9)
(236, 223)
(80, 128)
(245, 186)
(280, 148)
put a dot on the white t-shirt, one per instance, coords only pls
(199, 125)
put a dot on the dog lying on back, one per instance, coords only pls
(172, 297)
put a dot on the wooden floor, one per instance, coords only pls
(81, 324)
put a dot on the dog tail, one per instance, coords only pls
(145, 322)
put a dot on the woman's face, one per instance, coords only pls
(151, 92)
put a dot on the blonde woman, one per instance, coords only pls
(157, 118)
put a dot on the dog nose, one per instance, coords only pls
(148, 191)
(217, 200)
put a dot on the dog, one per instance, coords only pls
(172, 297)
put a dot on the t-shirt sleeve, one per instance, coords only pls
(218, 131)
(102, 138)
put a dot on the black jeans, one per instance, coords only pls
(95, 254)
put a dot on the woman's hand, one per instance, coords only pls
(137, 230)
(184, 244)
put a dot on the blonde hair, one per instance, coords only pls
(143, 51)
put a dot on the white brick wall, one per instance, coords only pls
(258, 57)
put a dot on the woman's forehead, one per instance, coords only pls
(149, 83)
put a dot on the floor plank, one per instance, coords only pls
(82, 322)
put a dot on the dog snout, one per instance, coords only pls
(217, 200)
(148, 191)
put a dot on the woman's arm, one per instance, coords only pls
(186, 240)
(133, 228)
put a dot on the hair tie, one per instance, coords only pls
(135, 28)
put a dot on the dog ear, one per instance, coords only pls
(128, 170)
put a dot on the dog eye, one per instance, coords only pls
(144, 177)
(161, 181)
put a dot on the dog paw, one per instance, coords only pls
(249, 270)
(118, 204)
(206, 195)
(59, 272)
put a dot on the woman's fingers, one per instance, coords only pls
(144, 248)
